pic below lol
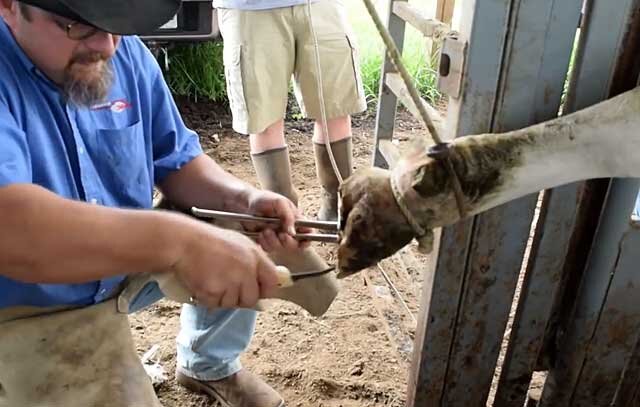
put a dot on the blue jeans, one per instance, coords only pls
(210, 342)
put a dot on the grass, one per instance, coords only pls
(196, 71)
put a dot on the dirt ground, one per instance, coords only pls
(355, 355)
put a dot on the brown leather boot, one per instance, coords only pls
(242, 389)
(342, 152)
(274, 172)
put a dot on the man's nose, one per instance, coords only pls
(103, 43)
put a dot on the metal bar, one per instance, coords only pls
(241, 217)
(312, 237)
(557, 28)
(483, 26)
(429, 27)
(387, 100)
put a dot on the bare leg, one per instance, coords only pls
(269, 139)
(339, 129)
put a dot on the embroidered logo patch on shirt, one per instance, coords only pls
(116, 106)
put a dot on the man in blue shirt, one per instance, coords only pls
(87, 128)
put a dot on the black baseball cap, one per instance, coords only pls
(124, 17)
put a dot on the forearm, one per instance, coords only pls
(203, 183)
(49, 239)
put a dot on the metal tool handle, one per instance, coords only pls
(313, 237)
(314, 224)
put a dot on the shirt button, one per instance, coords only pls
(93, 201)
(103, 291)
(80, 150)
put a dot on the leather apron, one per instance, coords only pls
(82, 357)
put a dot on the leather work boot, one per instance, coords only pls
(274, 172)
(242, 389)
(343, 154)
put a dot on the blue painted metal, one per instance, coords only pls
(484, 26)
(563, 386)
(602, 43)
(613, 343)
(536, 57)
(546, 258)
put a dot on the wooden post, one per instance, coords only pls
(444, 11)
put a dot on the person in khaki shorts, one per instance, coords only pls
(265, 43)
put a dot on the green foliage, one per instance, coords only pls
(196, 71)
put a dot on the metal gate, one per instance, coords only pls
(577, 313)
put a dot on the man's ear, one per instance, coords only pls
(9, 11)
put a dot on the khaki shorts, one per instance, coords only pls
(263, 49)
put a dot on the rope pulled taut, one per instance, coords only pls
(442, 147)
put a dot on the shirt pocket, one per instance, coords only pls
(123, 164)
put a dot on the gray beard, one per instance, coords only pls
(88, 93)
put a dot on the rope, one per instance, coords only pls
(320, 85)
(396, 59)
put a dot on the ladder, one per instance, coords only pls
(392, 89)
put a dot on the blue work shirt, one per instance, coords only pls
(110, 154)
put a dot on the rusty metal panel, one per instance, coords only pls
(387, 100)
(630, 383)
(542, 280)
(547, 256)
(563, 386)
(536, 57)
(614, 341)
(484, 26)
(495, 258)
(436, 321)
(599, 72)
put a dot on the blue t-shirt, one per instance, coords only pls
(257, 4)
(110, 154)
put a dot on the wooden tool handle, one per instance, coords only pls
(284, 277)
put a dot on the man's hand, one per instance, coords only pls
(270, 204)
(373, 225)
(223, 268)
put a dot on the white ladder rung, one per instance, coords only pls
(429, 27)
(389, 151)
(396, 85)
